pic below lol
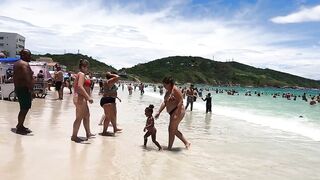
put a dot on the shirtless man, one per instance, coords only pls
(23, 84)
(190, 97)
(58, 76)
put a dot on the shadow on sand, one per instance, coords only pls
(14, 130)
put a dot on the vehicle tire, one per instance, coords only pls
(13, 96)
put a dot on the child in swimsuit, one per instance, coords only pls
(151, 130)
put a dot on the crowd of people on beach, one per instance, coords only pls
(82, 90)
(81, 86)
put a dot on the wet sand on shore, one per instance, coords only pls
(222, 148)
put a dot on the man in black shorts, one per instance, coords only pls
(23, 84)
(58, 76)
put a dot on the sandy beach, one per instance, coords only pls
(222, 148)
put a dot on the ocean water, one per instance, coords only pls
(296, 117)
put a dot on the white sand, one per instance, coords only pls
(221, 148)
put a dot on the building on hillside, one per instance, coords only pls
(11, 44)
(123, 74)
(51, 64)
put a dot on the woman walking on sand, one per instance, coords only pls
(80, 99)
(108, 103)
(173, 102)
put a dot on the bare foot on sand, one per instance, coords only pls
(118, 130)
(76, 139)
(188, 145)
(90, 135)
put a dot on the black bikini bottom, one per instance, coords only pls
(107, 100)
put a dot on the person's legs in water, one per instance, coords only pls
(191, 105)
(70, 89)
(154, 135)
(80, 108)
(148, 133)
(172, 132)
(61, 92)
(86, 122)
(187, 104)
(183, 139)
(114, 119)
(101, 120)
(107, 112)
(175, 119)
(58, 87)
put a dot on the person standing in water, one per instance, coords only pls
(81, 97)
(58, 76)
(151, 130)
(23, 86)
(304, 97)
(173, 102)
(130, 89)
(208, 100)
(161, 90)
(69, 82)
(190, 97)
(141, 88)
(108, 103)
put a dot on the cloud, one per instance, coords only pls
(122, 36)
(8, 19)
(304, 15)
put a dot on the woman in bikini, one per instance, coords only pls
(80, 99)
(108, 103)
(173, 102)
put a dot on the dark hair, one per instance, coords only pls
(168, 80)
(24, 51)
(108, 76)
(83, 63)
(150, 108)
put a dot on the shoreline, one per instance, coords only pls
(222, 147)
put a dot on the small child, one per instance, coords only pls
(208, 100)
(151, 130)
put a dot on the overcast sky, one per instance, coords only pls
(282, 35)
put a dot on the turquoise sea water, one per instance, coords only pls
(277, 113)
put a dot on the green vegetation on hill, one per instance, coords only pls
(200, 70)
(72, 62)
